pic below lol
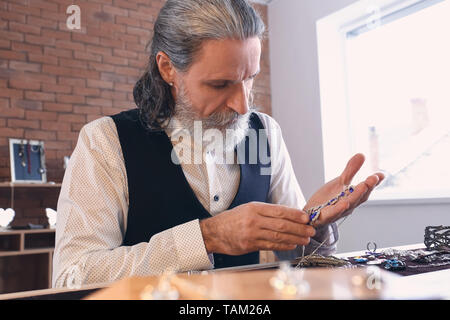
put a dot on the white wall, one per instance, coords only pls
(296, 106)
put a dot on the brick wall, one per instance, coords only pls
(54, 80)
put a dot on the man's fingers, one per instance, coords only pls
(286, 226)
(280, 237)
(353, 166)
(269, 245)
(359, 192)
(380, 177)
(281, 212)
(372, 182)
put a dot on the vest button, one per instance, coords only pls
(216, 198)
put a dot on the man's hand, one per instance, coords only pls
(346, 205)
(256, 226)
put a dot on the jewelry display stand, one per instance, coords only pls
(27, 161)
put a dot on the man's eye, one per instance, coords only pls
(219, 86)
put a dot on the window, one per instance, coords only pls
(393, 68)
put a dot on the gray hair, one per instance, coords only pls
(179, 31)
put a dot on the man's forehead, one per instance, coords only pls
(228, 59)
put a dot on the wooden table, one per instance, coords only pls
(236, 283)
(253, 284)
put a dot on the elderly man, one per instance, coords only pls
(130, 206)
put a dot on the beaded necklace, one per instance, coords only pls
(314, 212)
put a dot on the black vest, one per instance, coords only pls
(160, 197)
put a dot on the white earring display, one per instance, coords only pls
(66, 162)
(51, 215)
(6, 217)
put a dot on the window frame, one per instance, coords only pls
(331, 32)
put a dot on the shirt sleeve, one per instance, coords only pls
(92, 215)
(285, 190)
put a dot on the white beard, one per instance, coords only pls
(233, 127)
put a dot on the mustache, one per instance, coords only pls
(221, 119)
(228, 118)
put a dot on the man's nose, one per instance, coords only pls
(239, 100)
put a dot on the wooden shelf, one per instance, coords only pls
(28, 241)
(25, 252)
(26, 259)
(5, 231)
(28, 185)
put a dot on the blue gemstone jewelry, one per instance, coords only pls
(393, 265)
(314, 212)
(360, 260)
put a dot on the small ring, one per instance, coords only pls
(374, 247)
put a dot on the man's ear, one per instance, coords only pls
(166, 68)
